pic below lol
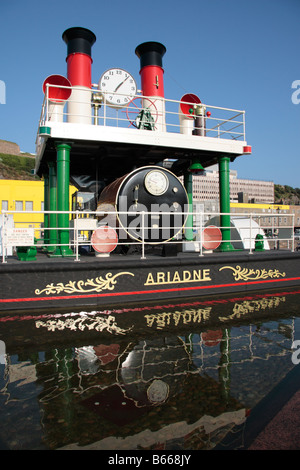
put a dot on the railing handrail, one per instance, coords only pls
(200, 222)
(111, 115)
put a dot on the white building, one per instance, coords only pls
(206, 187)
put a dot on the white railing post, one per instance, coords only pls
(250, 252)
(104, 111)
(3, 238)
(201, 230)
(293, 231)
(76, 237)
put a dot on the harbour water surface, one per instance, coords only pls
(67, 382)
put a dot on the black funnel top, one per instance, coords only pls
(79, 40)
(150, 53)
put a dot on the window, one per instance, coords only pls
(28, 205)
(19, 205)
(4, 205)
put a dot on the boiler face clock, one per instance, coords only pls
(156, 182)
(118, 87)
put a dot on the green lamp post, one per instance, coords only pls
(52, 219)
(63, 180)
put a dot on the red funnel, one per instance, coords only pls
(187, 103)
(57, 94)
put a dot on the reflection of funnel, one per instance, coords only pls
(79, 60)
(152, 79)
(187, 112)
(56, 95)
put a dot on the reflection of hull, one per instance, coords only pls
(118, 325)
(144, 361)
(119, 281)
(151, 378)
(153, 392)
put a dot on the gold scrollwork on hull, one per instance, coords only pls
(246, 274)
(90, 285)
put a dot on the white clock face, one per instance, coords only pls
(118, 87)
(156, 182)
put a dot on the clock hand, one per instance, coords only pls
(120, 84)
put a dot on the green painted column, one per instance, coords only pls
(188, 183)
(63, 196)
(46, 208)
(224, 188)
(53, 240)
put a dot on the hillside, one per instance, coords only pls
(286, 194)
(17, 167)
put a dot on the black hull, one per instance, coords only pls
(96, 283)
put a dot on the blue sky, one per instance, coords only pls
(231, 53)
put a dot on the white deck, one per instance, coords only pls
(223, 128)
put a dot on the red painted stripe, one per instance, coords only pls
(157, 291)
(155, 307)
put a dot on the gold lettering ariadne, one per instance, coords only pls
(175, 277)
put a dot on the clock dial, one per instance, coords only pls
(118, 87)
(156, 182)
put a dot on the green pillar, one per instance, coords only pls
(224, 188)
(46, 208)
(53, 240)
(188, 183)
(63, 197)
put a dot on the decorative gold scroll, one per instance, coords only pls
(90, 285)
(246, 274)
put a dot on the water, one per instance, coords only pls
(67, 385)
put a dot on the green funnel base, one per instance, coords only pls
(226, 246)
(66, 252)
(56, 253)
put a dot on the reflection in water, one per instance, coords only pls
(179, 388)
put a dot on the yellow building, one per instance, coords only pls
(22, 196)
